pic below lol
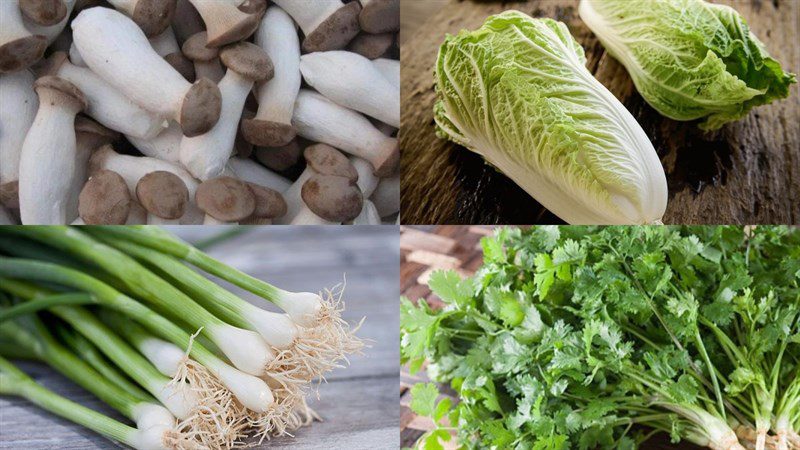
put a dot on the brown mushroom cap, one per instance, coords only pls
(279, 158)
(9, 194)
(226, 199)
(254, 10)
(163, 194)
(92, 133)
(334, 32)
(43, 12)
(196, 49)
(371, 46)
(248, 60)
(326, 160)
(104, 200)
(59, 90)
(182, 65)
(153, 16)
(21, 53)
(267, 133)
(380, 16)
(201, 108)
(335, 199)
(269, 202)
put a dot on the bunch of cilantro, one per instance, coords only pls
(600, 337)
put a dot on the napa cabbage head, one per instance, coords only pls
(517, 92)
(689, 59)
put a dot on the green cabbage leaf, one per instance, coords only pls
(517, 92)
(689, 59)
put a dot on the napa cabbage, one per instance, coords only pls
(517, 92)
(689, 59)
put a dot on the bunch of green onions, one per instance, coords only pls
(120, 311)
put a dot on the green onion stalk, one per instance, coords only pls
(155, 425)
(249, 391)
(15, 382)
(246, 349)
(307, 353)
(306, 309)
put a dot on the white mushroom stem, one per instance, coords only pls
(117, 50)
(352, 81)
(133, 168)
(367, 181)
(277, 35)
(386, 196)
(18, 105)
(75, 56)
(253, 172)
(389, 68)
(294, 202)
(48, 160)
(165, 43)
(109, 106)
(368, 215)
(49, 32)
(320, 120)
(165, 146)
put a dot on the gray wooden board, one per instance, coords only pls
(358, 404)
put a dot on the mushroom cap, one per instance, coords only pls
(248, 60)
(163, 194)
(196, 49)
(226, 199)
(334, 32)
(9, 194)
(86, 128)
(269, 202)
(387, 163)
(52, 64)
(371, 46)
(104, 199)
(43, 12)
(267, 133)
(61, 91)
(279, 158)
(254, 10)
(201, 108)
(153, 16)
(335, 199)
(326, 160)
(182, 65)
(380, 16)
(21, 53)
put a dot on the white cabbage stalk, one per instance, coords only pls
(517, 92)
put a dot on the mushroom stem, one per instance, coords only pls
(106, 104)
(352, 81)
(117, 50)
(227, 21)
(253, 172)
(320, 120)
(18, 105)
(19, 48)
(389, 68)
(166, 46)
(205, 156)
(48, 159)
(272, 125)
(306, 217)
(205, 58)
(327, 24)
(152, 16)
(165, 146)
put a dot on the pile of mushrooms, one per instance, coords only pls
(199, 112)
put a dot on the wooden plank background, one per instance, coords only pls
(358, 404)
(462, 244)
(748, 172)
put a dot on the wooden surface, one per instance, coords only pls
(358, 404)
(462, 244)
(748, 172)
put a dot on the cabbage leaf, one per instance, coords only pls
(689, 59)
(517, 92)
